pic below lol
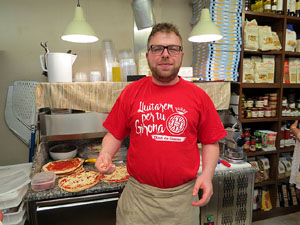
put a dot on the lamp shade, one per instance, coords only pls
(205, 30)
(79, 30)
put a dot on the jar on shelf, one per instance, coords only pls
(261, 112)
(268, 112)
(273, 96)
(254, 113)
(288, 112)
(248, 113)
(298, 104)
(250, 103)
(259, 103)
(284, 101)
(273, 112)
(266, 100)
(292, 105)
(284, 111)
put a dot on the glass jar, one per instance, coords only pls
(268, 112)
(254, 112)
(266, 100)
(284, 101)
(250, 103)
(248, 114)
(261, 113)
(259, 103)
(292, 105)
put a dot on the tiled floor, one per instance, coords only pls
(290, 219)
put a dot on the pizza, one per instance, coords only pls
(80, 181)
(119, 175)
(94, 147)
(78, 170)
(63, 166)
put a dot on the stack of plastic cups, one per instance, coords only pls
(127, 64)
(109, 57)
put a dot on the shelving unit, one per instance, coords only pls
(278, 24)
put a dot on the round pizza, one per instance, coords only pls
(63, 166)
(94, 147)
(119, 175)
(80, 181)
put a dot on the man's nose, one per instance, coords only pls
(165, 53)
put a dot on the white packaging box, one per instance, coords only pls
(186, 72)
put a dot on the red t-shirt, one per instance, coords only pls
(164, 123)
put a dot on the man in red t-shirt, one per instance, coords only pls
(164, 116)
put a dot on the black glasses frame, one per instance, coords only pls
(168, 47)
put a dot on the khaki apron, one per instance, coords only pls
(141, 204)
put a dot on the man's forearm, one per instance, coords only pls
(110, 145)
(210, 157)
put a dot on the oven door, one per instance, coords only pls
(92, 209)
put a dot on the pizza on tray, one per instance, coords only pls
(80, 181)
(119, 175)
(63, 167)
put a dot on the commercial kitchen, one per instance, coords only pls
(56, 93)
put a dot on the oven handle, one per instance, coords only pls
(43, 208)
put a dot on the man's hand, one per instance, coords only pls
(205, 184)
(104, 164)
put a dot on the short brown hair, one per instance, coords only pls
(164, 27)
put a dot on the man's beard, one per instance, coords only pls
(158, 75)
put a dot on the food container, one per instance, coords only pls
(14, 180)
(63, 151)
(43, 181)
(14, 215)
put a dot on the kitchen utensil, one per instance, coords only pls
(59, 66)
(90, 160)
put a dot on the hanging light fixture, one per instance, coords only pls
(79, 31)
(205, 30)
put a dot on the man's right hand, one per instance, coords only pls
(104, 164)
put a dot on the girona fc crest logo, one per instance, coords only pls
(177, 122)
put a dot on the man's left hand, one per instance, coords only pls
(205, 184)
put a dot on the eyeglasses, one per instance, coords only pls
(159, 49)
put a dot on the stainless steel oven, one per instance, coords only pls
(77, 210)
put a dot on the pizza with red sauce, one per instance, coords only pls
(63, 166)
(80, 181)
(119, 175)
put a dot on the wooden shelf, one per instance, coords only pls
(291, 85)
(278, 24)
(262, 215)
(265, 183)
(262, 52)
(259, 120)
(257, 153)
(287, 149)
(264, 15)
(259, 85)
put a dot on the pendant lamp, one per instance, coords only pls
(205, 30)
(79, 31)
